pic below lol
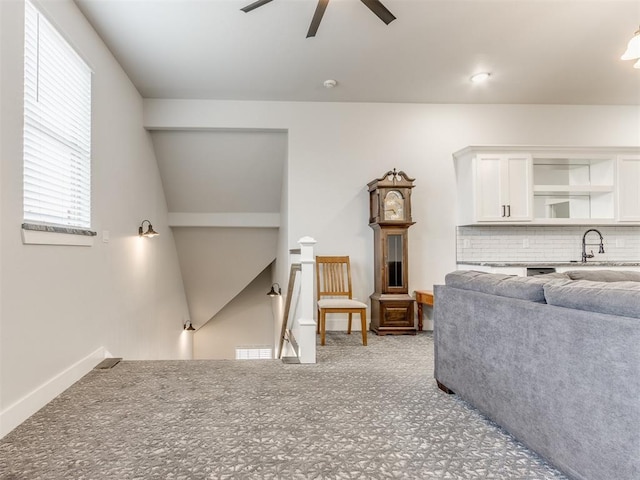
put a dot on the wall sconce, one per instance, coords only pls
(150, 231)
(188, 326)
(275, 292)
(633, 49)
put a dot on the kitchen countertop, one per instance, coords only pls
(553, 264)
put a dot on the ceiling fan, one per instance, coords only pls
(374, 5)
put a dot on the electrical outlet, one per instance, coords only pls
(525, 243)
(105, 236)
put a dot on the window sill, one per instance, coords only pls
(52, 237)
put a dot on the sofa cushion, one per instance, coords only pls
(524, 288)
(614, 298)
(604, 275)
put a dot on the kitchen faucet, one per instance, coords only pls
(586, 255)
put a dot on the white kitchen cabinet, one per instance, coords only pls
(629, 188)
(503, 187)
(532, 185)
(494, 187)
(578, 186)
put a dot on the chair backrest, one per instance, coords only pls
(333, 276)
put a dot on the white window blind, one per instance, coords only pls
(57, 128)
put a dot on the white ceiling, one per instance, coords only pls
(538, 51)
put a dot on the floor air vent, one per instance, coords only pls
(259, 352)
(107, 363)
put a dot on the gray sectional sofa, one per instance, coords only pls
(553, 359)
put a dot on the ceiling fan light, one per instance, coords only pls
(633, 48)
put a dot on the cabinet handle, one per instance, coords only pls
(503, 211)
(508, 210)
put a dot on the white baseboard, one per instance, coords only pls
(18, 412)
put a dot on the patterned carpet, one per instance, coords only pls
(361, 413)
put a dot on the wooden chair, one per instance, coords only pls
(333, 283)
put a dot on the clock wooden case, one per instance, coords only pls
(390, 219)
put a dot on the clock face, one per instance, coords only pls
(394, 206)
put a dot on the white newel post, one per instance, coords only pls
(306, 335)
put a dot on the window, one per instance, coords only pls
(57, 130)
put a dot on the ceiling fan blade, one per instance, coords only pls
(254, 5)
(317, 17)
(380, 10)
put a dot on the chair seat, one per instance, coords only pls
(340, 303)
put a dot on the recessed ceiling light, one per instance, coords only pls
(330, 83)
(480, 77)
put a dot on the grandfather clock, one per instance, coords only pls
(390, 219)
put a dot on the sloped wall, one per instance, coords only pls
(63, 307)
(218, 263)
(247, 320)
(221, 185)
(212, 171)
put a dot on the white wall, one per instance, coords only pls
(218, 263)
(335, 149)
(214, 175)
(63, 307)
(246, 321)
(3, 44)
(280, 272)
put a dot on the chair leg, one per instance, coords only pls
(349, 324)
(363, 321)
(322, 326)
(318, 324)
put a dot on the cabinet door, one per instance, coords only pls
(519, 195)
(490, 185)
(504, 188)
(629, 188)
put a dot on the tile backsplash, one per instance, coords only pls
(544, 243)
